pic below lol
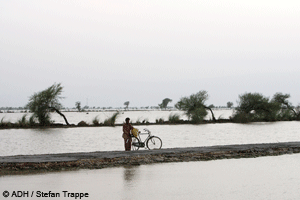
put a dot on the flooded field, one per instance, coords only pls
(274, 178)
(87, 139)
(259, 178)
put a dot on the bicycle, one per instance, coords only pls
(151, 142)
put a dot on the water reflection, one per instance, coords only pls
(275, 177)
(130, 173)
(130, 179)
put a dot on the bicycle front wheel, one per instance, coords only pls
(154, 142)
(135, 144)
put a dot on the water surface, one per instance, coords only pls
(88, 139)
(274, 178)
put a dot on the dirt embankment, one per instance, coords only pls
(97, 160)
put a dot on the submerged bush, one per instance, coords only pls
(241, 117)
(32, 121)
(159, 121)
(82, 123)
(96, 121)
(3, 123)
(111, 120)
(145, 121)
(138, 121)
(23, 122)
(174, 118)
(255, 107)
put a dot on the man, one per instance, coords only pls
(127, 127)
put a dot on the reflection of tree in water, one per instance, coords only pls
(129, 173)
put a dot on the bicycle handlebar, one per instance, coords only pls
(147, 130)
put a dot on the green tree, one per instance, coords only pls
(254, 106)
(78, 106)
(46, 101)
(195, 107)
(287, 110)
(126, 103)
(164, 103)
(229, 104)
(211, 106)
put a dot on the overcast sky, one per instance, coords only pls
(107, 52)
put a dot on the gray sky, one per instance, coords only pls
(109, 52)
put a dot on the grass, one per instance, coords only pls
(23, 122)
(160, 121)
(139, 121)
(32, 121)
(2, 122)
(110, 121)
(96, 121)
(5, 123)
(174, 118)
(145, 121)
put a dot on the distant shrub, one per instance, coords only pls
(160, 121)
(96, 121)
(174, 118)
(241, 117)
(23, 122)
(82, 123)
(286, 115)
(111, 120)
(32, 121)
(138, 121)
(2, 122)
(145, 121)
(5, 124)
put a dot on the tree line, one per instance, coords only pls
(250, 106)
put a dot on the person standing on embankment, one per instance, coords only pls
(127, 127)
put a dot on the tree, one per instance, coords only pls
(229, 104)
(78, 106)
(281, 100)
(126, 103)
(46, 101)
(164, 103)
(211, 106)
(195, 107)
(254, 106)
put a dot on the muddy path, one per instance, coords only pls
(97, 160)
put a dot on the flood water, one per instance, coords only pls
(88, 139)
(260, 178)
(274, 178)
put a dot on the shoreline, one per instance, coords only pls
(28, 164)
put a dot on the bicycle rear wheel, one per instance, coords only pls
(154, 142)
(135, 144)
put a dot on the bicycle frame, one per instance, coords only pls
(140, 142)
